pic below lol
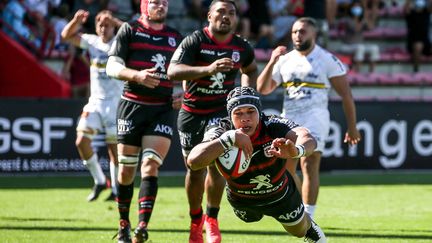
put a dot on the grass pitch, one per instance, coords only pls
(352, 208)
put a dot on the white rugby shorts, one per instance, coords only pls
(317, 120)
(101, 116)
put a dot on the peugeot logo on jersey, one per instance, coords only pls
(160, 61)
(218, 80)
(261, 180)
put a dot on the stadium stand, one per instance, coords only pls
(393, 72)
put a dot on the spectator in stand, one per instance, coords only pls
(281, 12)
(244, 25)
(136, 11)
(122, 9)
(42, 8)
(14, 26)
(353, 24)
(298, 7)
(40, 13)
(260, 23)
(196, 9)
(59, 21)
(317, 9)
(331, 12)
(371, 12)
(76, 71)
(417, 16)
(180, 18)
(93, 7)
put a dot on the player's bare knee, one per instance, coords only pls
(126, 177)
(82, 136)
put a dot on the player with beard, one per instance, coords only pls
(145, 117)
(307, 73)
(209, 60)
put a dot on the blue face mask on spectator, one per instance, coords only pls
(420, 3)
(356, 11)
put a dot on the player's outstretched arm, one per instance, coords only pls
(297, 143)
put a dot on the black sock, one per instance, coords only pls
(196, 214)
(212, 212)
(147, 198)
(124, 198)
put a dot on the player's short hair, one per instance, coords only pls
(103, 12)
(243, 96)
(224, 1)
(309, 21)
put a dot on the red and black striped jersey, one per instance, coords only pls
(265, 179)
(143, 48)
(208, 94)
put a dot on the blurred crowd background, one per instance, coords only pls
(384, 43)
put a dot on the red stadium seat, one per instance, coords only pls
(395, 11)
(410, 98)
(366, 79)
(404, 78)
(426, 77)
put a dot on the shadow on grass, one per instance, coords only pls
(330, 232)
(71, 182)
(4, 219)
(327, 179)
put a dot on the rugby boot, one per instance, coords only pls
(196, 231)
(211, 226)
(123, 235)
(111, 197)
(315, 234)
(97, 189)
(140, 233)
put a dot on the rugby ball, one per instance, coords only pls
(232, 163)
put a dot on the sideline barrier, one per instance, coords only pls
(38, 135)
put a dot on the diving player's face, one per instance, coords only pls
(246, 119)
(303, 36)
(222, 18)
(157, 10)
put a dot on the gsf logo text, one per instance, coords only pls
(27, 135)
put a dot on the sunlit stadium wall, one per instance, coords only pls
(39, 136)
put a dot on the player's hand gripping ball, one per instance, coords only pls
(232, 163)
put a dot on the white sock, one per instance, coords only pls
(310, 209)
(95, 169)
(113, 174)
